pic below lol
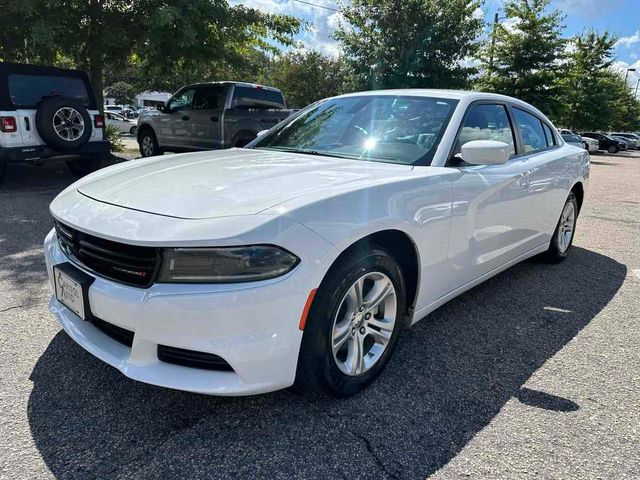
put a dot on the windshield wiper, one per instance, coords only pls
(303, 151)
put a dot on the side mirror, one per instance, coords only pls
(485, 152)
(262, 132)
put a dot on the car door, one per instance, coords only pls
(491, 204)
(206, 117)
(174, 123)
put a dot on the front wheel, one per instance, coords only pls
(148, 143)
(612, 149)
(565, 229)
(353, 324)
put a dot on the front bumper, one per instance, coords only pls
(42, 152)
(253, 327)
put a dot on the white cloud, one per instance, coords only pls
(322, 22)
(632, 77)
(629, 41)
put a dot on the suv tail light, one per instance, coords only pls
(98, 121)
(8, 125)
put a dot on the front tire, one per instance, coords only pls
(612, 149)
(562, 238)
(353, 324)
(148, 143)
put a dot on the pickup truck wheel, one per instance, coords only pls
(242, 138)
(85, 165)
(148, 143)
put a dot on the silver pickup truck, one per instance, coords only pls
(213, 115)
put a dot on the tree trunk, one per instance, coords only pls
(95, 50)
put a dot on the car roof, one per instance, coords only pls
(238, 84)
(467, 95)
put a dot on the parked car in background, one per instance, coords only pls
(607, 143)
(590, 144)
(125, 125)
(208, 116)
(572, 139)
(630, 144)
(635, 139)
(48, 113)
(302, 257)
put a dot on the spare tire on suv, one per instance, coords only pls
(63, 123)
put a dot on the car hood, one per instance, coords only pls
(224, 183)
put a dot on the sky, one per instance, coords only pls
(620, 17)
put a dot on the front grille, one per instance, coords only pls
(123, 263)
(119, 334)
(193, 359)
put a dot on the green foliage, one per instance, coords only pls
(409, 43)
(123, 93)
(523, 60)
(305, 77)
(112, 135)
(168, 42)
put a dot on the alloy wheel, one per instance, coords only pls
(68, 124)
(567, 225)
(147, 146)
(364, 323)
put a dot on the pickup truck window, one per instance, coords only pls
(381, 128)
(209, 98)
(182, 101)
(257, 97)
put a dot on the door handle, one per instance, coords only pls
(525, 181)
(214, 119)
(185, 117)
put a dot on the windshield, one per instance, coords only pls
(383, 128)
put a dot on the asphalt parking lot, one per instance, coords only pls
(534, 374)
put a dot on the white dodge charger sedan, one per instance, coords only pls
(301, 258)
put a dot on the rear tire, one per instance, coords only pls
(148, 143)
(84, 166)
(612, 149)
(366, 332)
(133, 131)
(562, 238)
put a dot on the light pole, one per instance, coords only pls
(496, 19)
(626, 74)
(637, 84)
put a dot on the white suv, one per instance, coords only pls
(46, 113)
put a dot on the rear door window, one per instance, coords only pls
(551, 139)
(26, 91)
(209, 98)
(256, 97)
(531, 130)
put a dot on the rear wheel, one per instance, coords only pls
(133, 130)
(612, 149)
(148, 143)
(562, 239)
(353, 325)
(85, 165)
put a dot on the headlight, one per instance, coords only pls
(225, 264)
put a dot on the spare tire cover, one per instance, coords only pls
(63, 123)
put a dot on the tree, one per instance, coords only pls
(164, 39)
(525, 55)
(307, 76)
(586, 86)
(409, 43)
(122, 92)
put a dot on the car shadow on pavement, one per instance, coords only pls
(449, 377)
